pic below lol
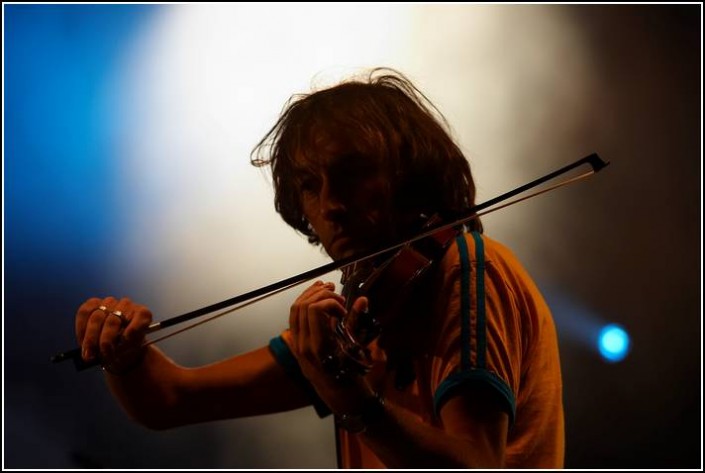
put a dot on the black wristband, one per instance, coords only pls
(372, 411)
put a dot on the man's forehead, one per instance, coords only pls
(341, 161)
(319, 155)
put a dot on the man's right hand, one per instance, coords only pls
(112, 331)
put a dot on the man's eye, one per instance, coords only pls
(309, 184)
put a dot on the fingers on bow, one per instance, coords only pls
(311, 320)
(102, 323)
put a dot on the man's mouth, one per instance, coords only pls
(344, 245)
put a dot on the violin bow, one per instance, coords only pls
(243, 300)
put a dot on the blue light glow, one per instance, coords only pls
(613, 343)
(61, 129)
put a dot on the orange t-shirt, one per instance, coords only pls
(489, 325)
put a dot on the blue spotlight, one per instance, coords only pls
(613, 343)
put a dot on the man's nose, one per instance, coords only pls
(331, 205)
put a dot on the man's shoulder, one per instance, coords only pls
(475, 246)
(475, 249)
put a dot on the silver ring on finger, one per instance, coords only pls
(118, 314)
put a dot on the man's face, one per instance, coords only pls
(346, 200)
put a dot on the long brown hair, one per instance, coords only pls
(383, 116)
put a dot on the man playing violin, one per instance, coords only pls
(461, 369)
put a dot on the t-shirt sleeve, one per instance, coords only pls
(477, 342)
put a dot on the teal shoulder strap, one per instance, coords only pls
(467, 331)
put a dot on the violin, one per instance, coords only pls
(385, 285)
(378, 274)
